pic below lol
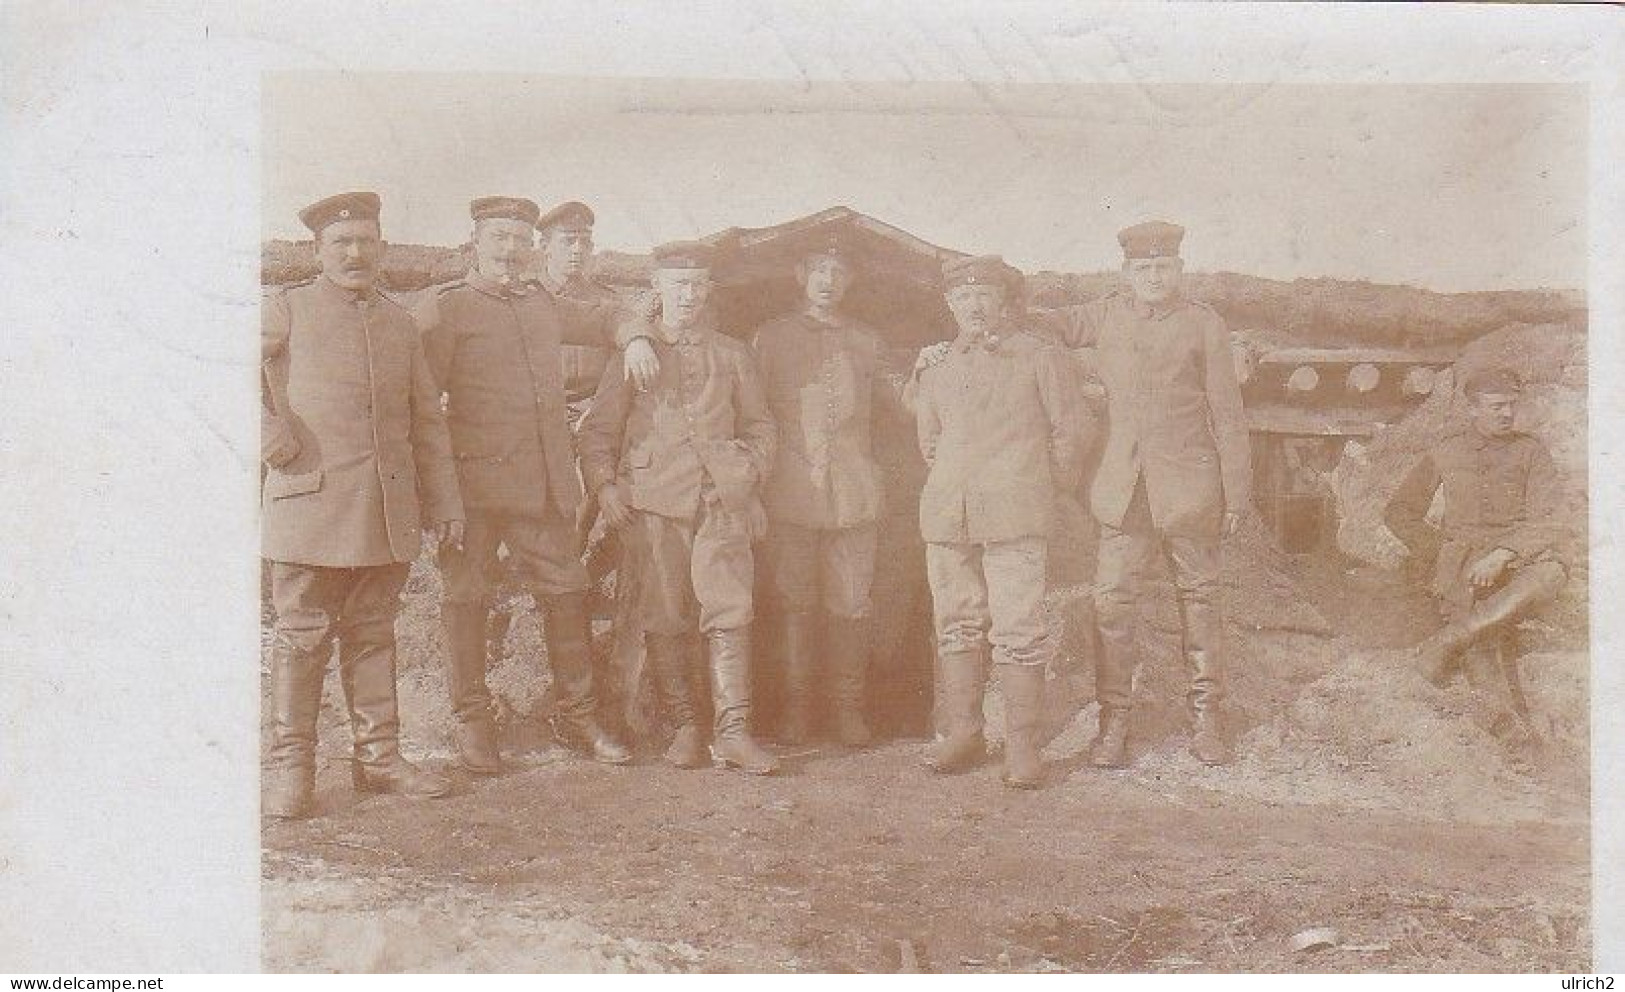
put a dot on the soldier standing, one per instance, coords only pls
(1173, 480)
(353, 439)
(821, 369)
(1497, 558)
(998, 429)
(493, 342)
(678, 469)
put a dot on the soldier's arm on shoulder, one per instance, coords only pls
(603, 429)
(431, 444)
(600, 323)
(1225, 410)
(1076, 325)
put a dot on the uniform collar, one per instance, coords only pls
(345, 296)
(812, 323)
(1145, 311)
(491, 287)
(691, 335)
(546, 281)
(991, 340)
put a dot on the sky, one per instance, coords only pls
(1448, 187)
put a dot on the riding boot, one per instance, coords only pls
(668, 662)
(800, 675)
(1109, 749)
(569, 650)
(847, 658)
(1203, 632)
(1023, 689)
(964, 682)
(296, 698)
(367, 670)
(476, 737)
(731, 743)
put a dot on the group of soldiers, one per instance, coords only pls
(701, 450)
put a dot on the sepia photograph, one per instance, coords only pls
(760, 487)
(891, 527)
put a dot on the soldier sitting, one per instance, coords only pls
(1497, 558)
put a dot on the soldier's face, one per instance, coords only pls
(1154, 280)
(1493, 414)
(502, 246)
(976, 306)
(567, 251)
(349, 253)
(825, 280)
(683, 294)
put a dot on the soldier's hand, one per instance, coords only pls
(641, 363)
(613, 506)
(1231, 524)
(449, 533)
(1487, 570)
(931, 355)
(282, 452)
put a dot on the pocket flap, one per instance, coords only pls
(280, 485)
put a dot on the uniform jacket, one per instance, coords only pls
(344, 376)
(703, 421)
(495, 352)
(824, 384)
(584, 364)
(1174, 411)
(999, 428)
(1497, 493)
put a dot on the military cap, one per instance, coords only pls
(1153, 239)
(571, 216)
(983, 269)
(344, 206)
(1492, 380)
(830, 244)
(504, 208)
(684, 255)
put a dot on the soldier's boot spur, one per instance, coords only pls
(800, 675)
(296, 697)
(475, 737)
(367, 671)
(1109, 749)
(1022, 687)
(668, 660)
(962, 746)
(569, 652)
(848, 658)
(731, 744)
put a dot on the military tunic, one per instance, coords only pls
(1177, 459)
(584, 364)
(825, 384)
(1000, 431)
(1496, 493)
(689, 454)
(495, 352)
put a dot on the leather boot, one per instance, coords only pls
(1439, 656)
(668, 662)
(800, 674)
(476, 736)
(296, 698)
(964, 681)
(731, 743)
(367, 670)
(1203, 631)
(569, 650)
(847, 655)
(1022, 687)
(1109, 749)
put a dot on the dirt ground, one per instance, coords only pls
(1361, 799)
